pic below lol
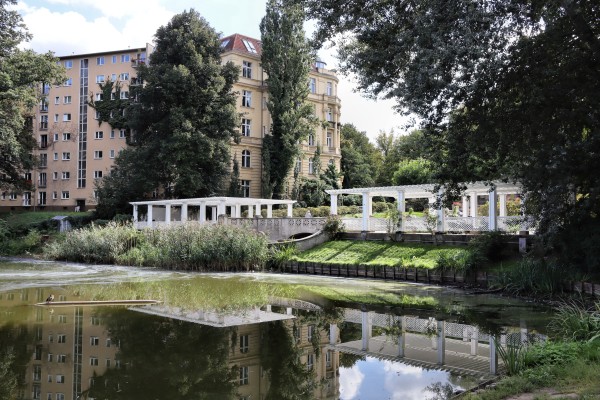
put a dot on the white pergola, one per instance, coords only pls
(495, 194)
(218, 207)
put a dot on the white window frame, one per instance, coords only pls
(100, 60)
(329, 90)
(246, 125)
(244, 343)
(68, 82)
(329, 139)
(67, 117)
(244, 376)
(246, 98)
(311, 139)
(69, 64)
(66, 175)
(122, 133)
(312, 85)
(97, 174)
(99, 135)
(66, 156)
(57, 100)
(98, 155)
(99, 78)
(125, 58)
(245, 185)
(111, 153)
(67, 100)
(66, 136)
(249, 46)
(247, 69)
(311, 166)
(246, 158)
(65, 195)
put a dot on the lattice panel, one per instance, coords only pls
(352, 224)
(414, 224)
(378, 224)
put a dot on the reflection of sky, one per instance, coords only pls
(381, 380)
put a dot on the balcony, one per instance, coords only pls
(136, 62)
(43, 126)
(44, 108)
(42, 184)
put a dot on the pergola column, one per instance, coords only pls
(213, 214)
(238, 210)
(493, 201)
(250, 211)
(333, 333)
(334, 204)
(168, 214)
(135, 213)
(366, 329)
(259, 210)
(402, 337)
(290, 214)
(441, 342)
(366, 200)
(441, 215)
(502, 200)
(401, 201)
(465, 206)
(493, 355)
(149, 221)
(184, 212)
(269, 210)
(202, 213)
(221, 208)
(473, 202)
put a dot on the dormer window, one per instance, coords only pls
(224, 43)
(249, 46)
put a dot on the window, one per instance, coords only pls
(331, 161)
(329, 139)
(311, 139)
(99, 60)
(243, 376)
(65, 195)
(55, 117)
(246, 98)
(111, 154)
(56, 137)
(97, 116)
(42, 198)
(114, 59)
(55, 156)
(329, 89)
(94, 340)
(124, 76)
(66, 136)
(249, 46)
(97, 174)
(311, 331)
(61, 358)
(329, 116)
(310, 361)
(328, 359)
(43, 122)
(60, 379)
(37, 373)
(93, 361)
(244, 340)
(125, 58)
(69, 64)
(66, 117)
(54, 195)
(246, 159)
(112, 133)
(311, 166)
(66, 156)
(312, 85)
(99, 96)
(122, 133)
(99, 134)
(245, 184)
(57, 100)
(68, 82)
(108, 342)
(13, 196)
(107, 363)
(113, 77)
(299, 164)
(98, 154)
(66, 175)
(245, 127)
(60, 396)
(99, 78)
(124, 95)
(247, 69)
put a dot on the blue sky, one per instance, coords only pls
(85, 26)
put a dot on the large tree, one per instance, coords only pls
(22, 74)
(286, 59)
(184, 116)
(508, 89)
(360, 158)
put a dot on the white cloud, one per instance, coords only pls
(350, 382)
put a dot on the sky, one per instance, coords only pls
(68, 27)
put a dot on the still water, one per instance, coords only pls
(250, 336)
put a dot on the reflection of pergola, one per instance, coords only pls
(469, 221)
(169, 211)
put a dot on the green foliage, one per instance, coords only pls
(22, 74)
(533, 277)
(286, 60)
(512, 356)
(184, 119)
(573, 321)
(333, 226)
(413, 172)
(360, 159)
(235, 189)
(283, 253)
(491, 246)
(189, 246)
(112, 106)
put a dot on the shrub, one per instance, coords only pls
(490, 245)
(573, 321)
(532, 277)
(282, 253)
(333, 226)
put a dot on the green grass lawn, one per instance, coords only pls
(381, 253)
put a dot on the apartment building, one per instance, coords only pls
(75, 149)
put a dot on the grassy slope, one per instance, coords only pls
(17, 219)
(379, 253)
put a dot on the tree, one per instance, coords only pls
(184, 116)
(507, 90)
(235, 189)
(286, 59)
(400, 149)
(360, 159)
(22, 75)
(413, 172)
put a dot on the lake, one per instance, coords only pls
(245, 336)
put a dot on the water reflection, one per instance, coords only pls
(257, 346)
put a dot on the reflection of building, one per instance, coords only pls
(75, 150)
(69, 346)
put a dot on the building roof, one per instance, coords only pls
(242, 44)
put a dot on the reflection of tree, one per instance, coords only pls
(280, 358)
(166, 359)
(349, 332)
(13, 360)
(440, 391)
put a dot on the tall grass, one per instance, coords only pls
(533, 277)
(574, 321)
(189, 247)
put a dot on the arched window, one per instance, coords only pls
(246, 159)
